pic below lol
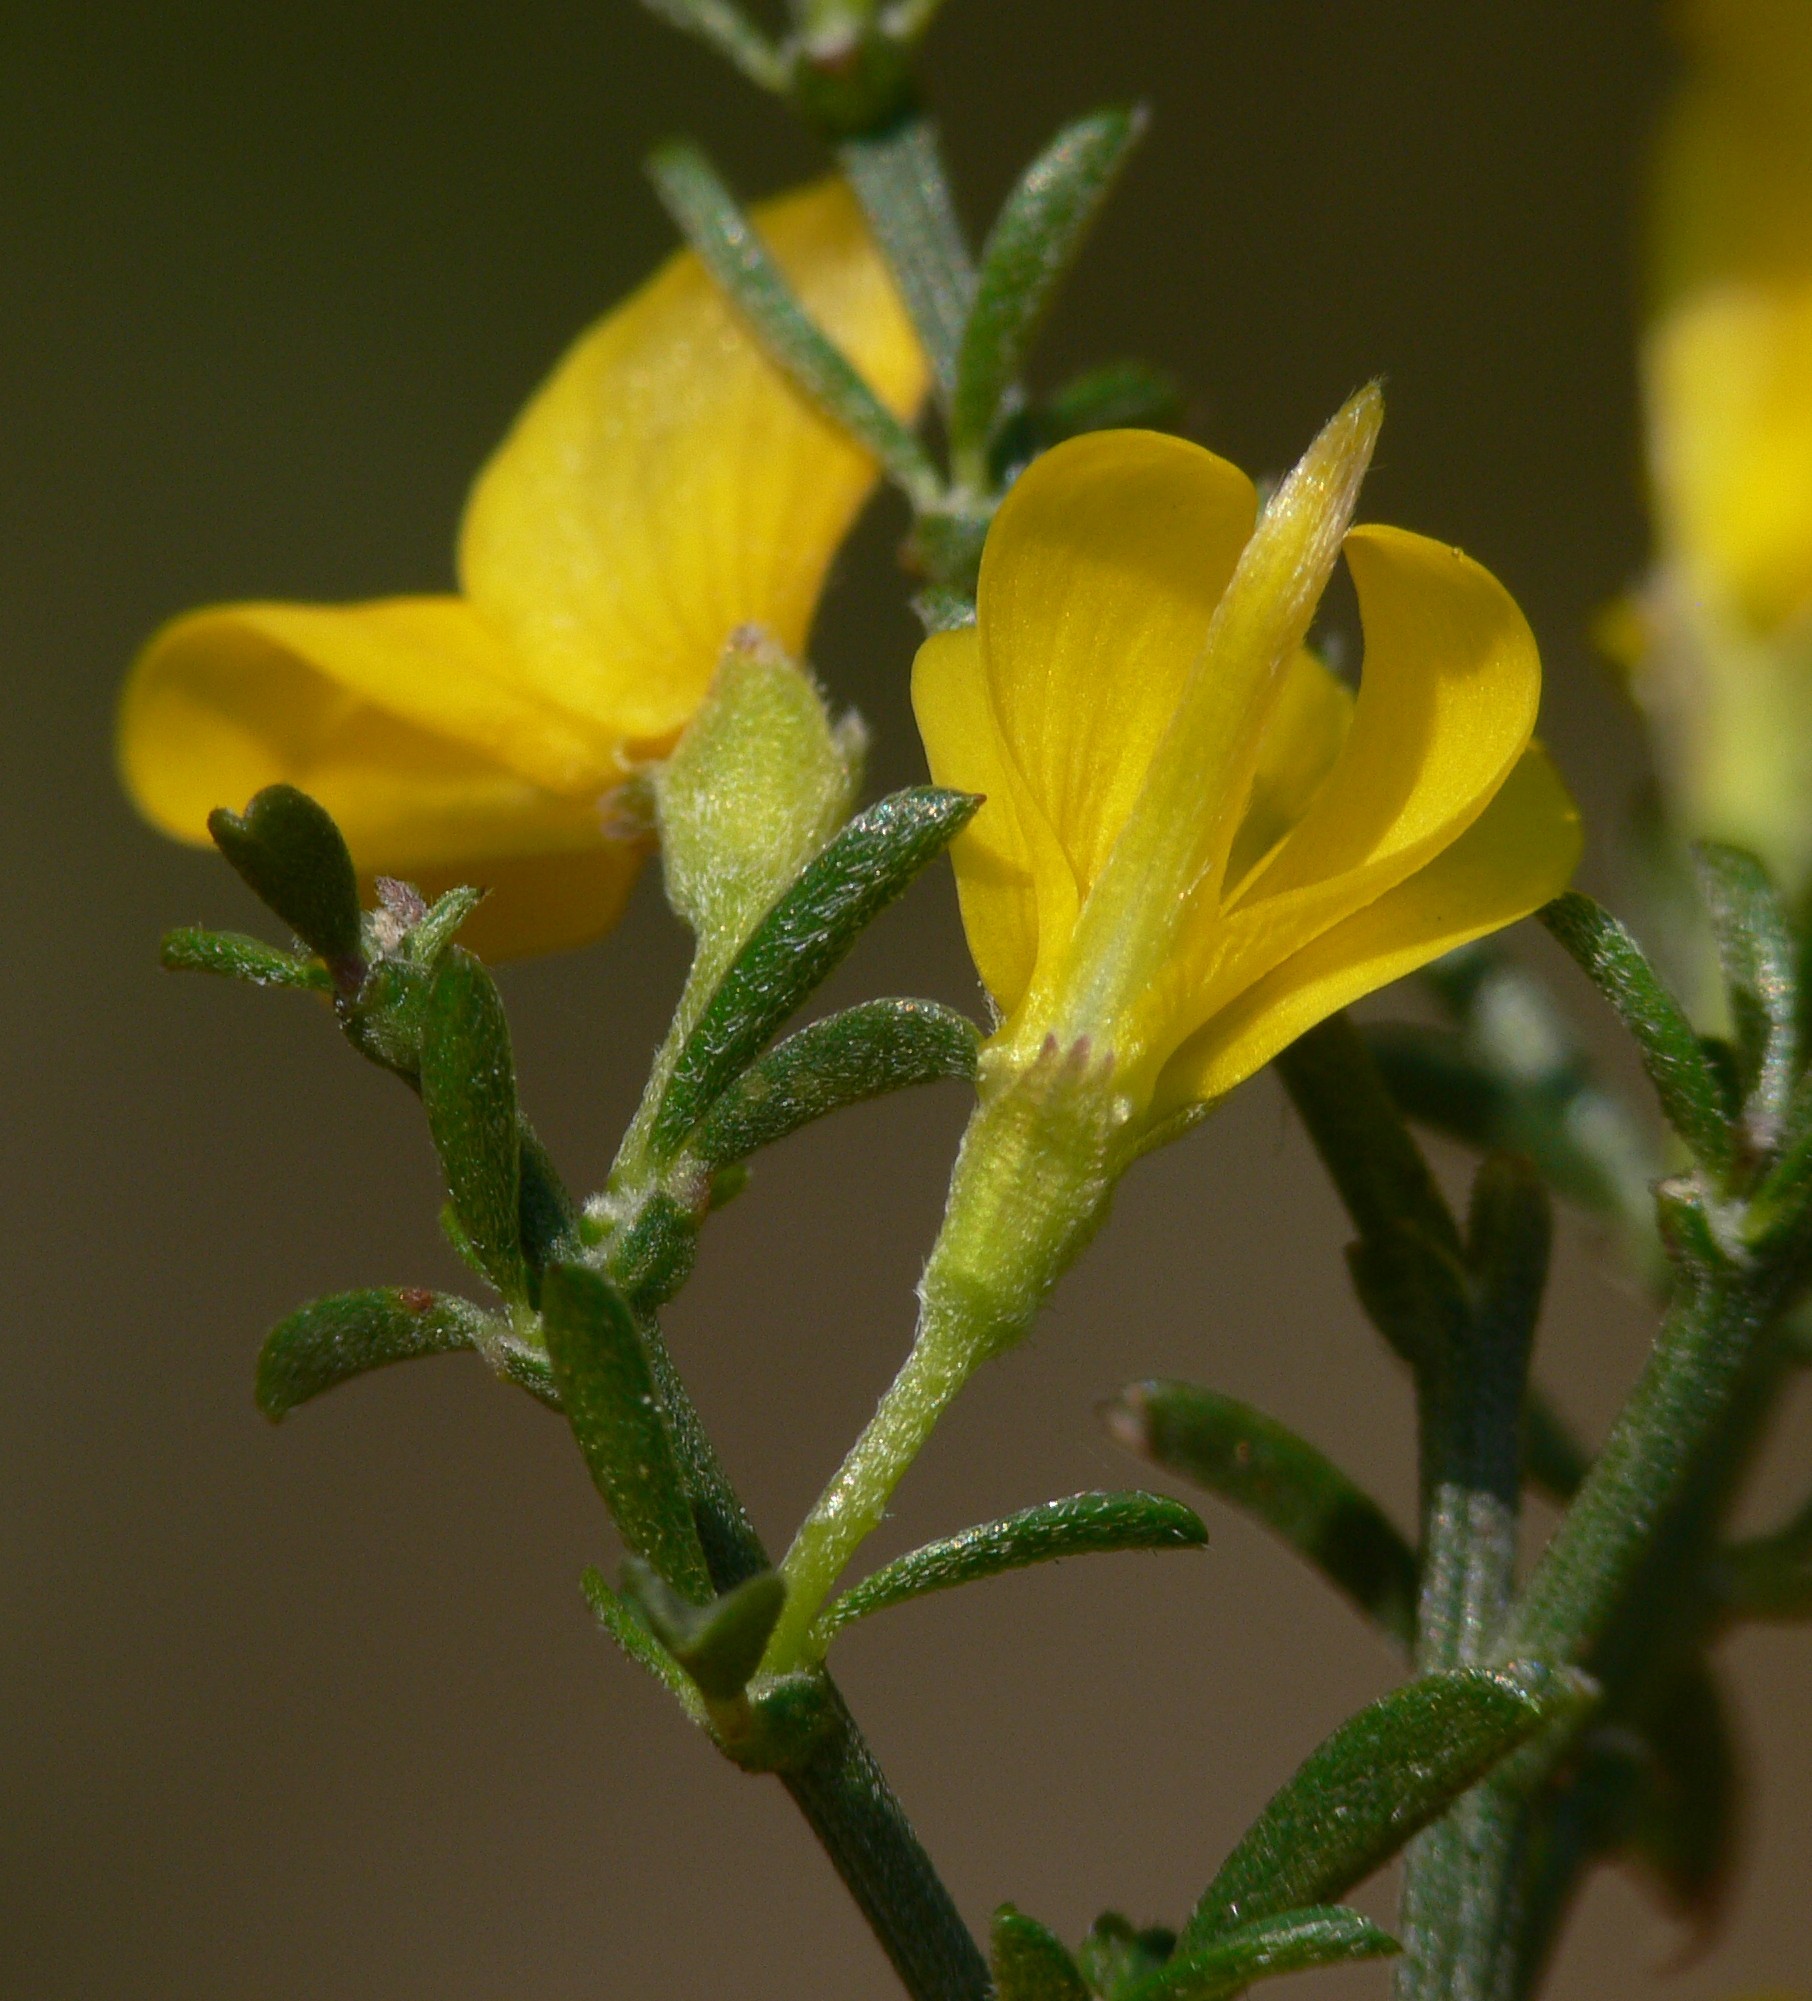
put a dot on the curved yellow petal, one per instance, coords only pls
(1515, 857)
(667, 483)
(1447, 702)
(994, 882)
(1303, 738)
(1099, 579)
(224, 702)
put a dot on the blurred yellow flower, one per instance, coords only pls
(1196, 843)
(665, 486)
(1720, 640)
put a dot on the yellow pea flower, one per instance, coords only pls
(1719, 642)
(665, 486)
(1196, 843)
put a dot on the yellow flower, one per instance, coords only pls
(1719, 640)
(1729, 355)
(665, 486)
(1196, 844)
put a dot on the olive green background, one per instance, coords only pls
(318, 1712)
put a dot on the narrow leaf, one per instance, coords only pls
(234, 956)
(428, 940)
(1676, 1064)
(880, 1046)
(1031, 1963)
(1756, 954)
(863, 868)
(293, 859)
(1257, 1464)
(899, 178)
(1378, 1780)
(720, 1644)
(1082, 1525)
(1360, 1135)
(607, 1387)
(1415, 1292)
(331, 1340)
(627, 1629)
(468, 1080)
(728, 245)
(1036, 239)
(1295, 1942)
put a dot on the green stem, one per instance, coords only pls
(846, 1800)
(1459, 1908)
(1693, 1380)
(839, 1787)
(1029, 1188)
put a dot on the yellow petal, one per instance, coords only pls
(1447, 701)
(222, 703)
(1517, 855)
(1301, 743)
(993, 863)
(1728, 375)
(1098, 584)
(667, 484)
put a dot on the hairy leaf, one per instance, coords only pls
(1292, 1942)
(1259, 1465)
(1671, 1054)
(1081, 1525)
(331, 1340)
(863, 868)
(607, 1387)
(880, 1046)
(468, 1080)
(1031, 1963)
(1378, 1780)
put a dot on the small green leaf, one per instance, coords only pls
(234, 956)
(1119, 395)
(866, 865)
(547, 1220)
(899, 177)
(880, 1046)
(1035, 240)
(1756, 954)
(624, 1626)
(1259, 1465)
(1677, 1067)
(428, 940)
(1378, 1780)
(468, 1081)
(719, 1644)
(730, 248)
(756, 785)
(1031, 1963)
(293, 859)
(1082, 1525)
(1414, 1291)
(1117, 1957)
(1293, 1942)
(607, 1387)
(331, 1340)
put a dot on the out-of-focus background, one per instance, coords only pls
(318, 1711)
